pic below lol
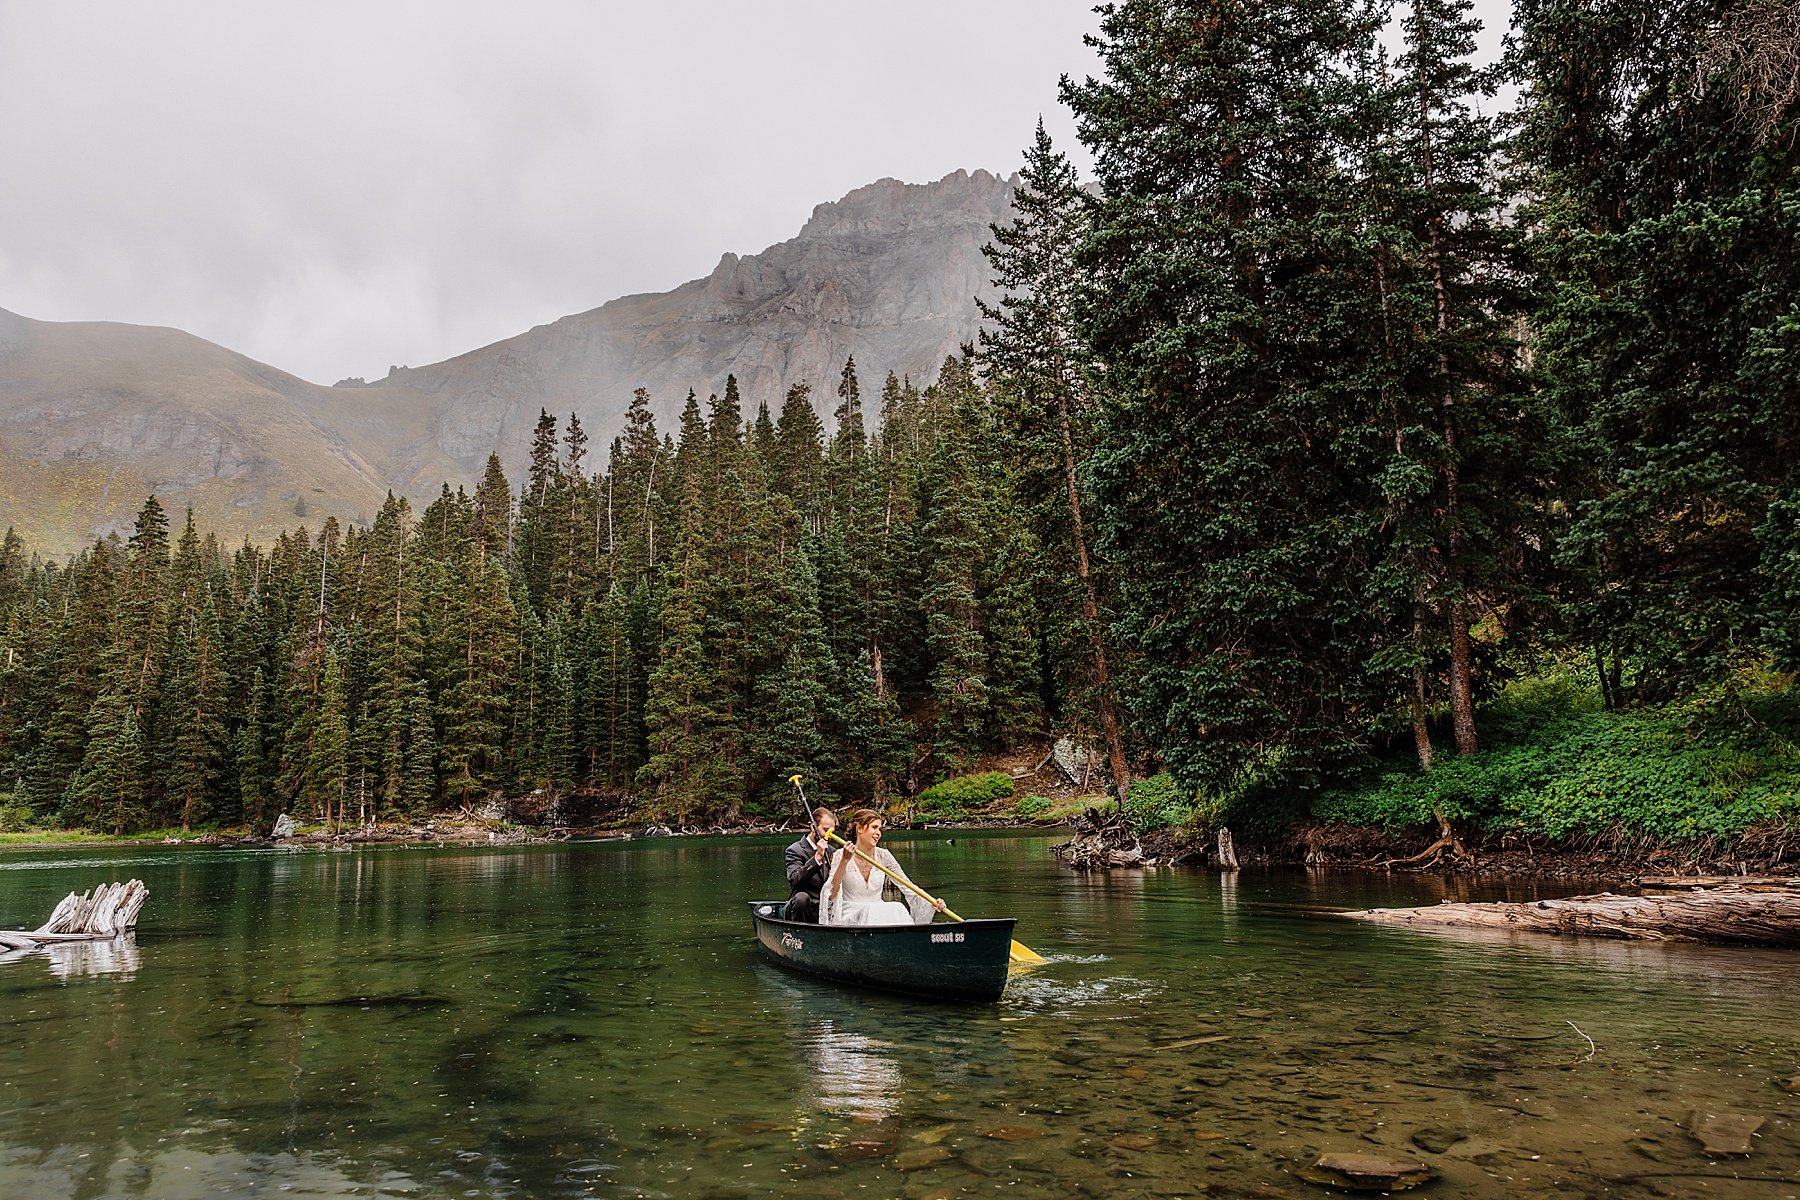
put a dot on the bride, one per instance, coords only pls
(853, 895)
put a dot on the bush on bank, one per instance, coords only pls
(1556, 764)
(954, 798)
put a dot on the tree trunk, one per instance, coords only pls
(1730, 915)
(1090, 611)
(1421, 730)
(1462, 711)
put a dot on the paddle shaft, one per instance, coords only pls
(908, 884)
(1019, 952)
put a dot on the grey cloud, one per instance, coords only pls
(335, 187)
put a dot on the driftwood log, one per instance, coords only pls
(1689, 883)
(105, 912)
(1727, 915)
(1101, 841)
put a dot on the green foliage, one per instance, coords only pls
(15, 814)
(696, 621)
(958, 797)
(1032, 806)
(1681, 772)
(1158, 802)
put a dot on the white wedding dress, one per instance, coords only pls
(851, 899)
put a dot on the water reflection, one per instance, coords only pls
(71, 960)
(573, 1021)
(113, 956)
(853, 1075)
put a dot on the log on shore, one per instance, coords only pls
(1731, 916)
(1688, 883)
(105, 912)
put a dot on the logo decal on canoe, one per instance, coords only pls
(947, 936)
(790, 941)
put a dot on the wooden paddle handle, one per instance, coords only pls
(910, 886)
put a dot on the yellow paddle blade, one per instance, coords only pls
(1025, 956)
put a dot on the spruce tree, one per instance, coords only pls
(110, 791)
(1665, 155)
(1043, 371)
(1231, 307)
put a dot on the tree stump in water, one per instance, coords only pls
(1101, 842)
(105, 912)
(1731, 916)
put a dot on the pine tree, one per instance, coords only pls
(1665, 156)
(1230, 305)
(681, 712)
(110, 790)
(254, 781)
(797, 469)
(795, 694)
(419, 790)
(539, 521)
(195, 712)
(1032, 351)
(952, 515)
(328, 762)
(481, 618)
(493, 509)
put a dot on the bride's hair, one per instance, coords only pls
(860, 817)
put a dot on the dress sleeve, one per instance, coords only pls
(828, 903)
(920, 908)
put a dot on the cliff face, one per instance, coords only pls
(888, 274)
(93, 416)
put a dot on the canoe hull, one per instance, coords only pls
(961, 961)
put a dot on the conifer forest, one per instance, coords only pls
(1358, 382)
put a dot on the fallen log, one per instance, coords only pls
(1688, 883)
(1733, 917)
(104, 912)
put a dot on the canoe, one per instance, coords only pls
(961, 961)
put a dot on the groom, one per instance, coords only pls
(807, 860)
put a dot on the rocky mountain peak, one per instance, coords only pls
(92, 416)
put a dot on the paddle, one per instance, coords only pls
(1019, 951)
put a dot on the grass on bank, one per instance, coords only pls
(1555, 764)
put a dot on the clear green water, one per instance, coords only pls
(595, 1020)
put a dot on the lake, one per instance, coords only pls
(596, 1020)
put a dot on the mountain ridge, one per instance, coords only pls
(94, 415)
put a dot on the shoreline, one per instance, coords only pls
(1613, 858)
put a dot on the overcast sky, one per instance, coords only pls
(336, 187)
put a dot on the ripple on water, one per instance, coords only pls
(601, 1023)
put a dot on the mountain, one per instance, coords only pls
(887, 274)
(93, 416)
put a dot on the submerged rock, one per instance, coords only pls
(1724, 1132)
(924, 1156)
(1368, 1172)
(1436, 1141)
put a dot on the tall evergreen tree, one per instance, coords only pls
(1233, 314)
(1032, 351)
(1665, 152)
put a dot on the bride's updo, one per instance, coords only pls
(859, 818)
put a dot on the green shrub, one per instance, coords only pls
(1677, 773)
(1156, 803)
(15, 814)
(953, 798)
(1033, 806)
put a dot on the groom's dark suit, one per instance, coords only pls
(806, 880)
